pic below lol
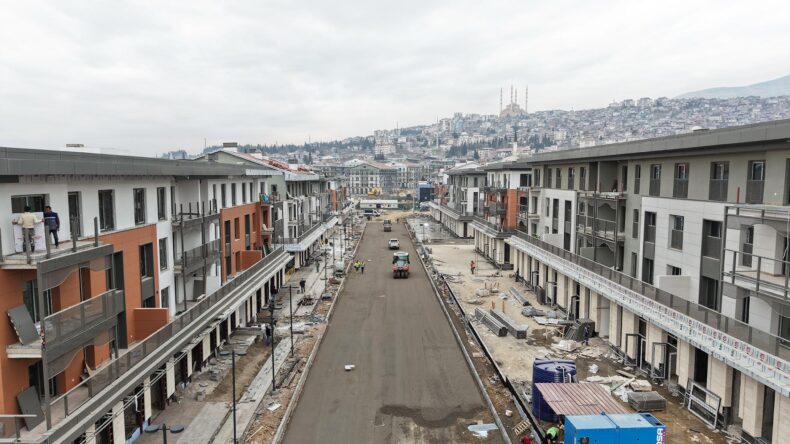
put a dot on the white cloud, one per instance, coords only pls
(151, 76)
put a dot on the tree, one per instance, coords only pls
(476, 156)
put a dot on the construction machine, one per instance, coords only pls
(400, 264)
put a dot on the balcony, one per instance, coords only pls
(268, 199)
(192, 216)
(655, 187)
(680, 189)
(598, 228)
(717, 190)
(764, 275)
(594, 195)
(196, 257)
(754, 191)
(67, 329)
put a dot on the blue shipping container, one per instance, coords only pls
(614, 429)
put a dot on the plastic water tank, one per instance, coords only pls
(549, 370)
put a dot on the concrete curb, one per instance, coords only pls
(297, 394)
(460, 342)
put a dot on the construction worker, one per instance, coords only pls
(362, 266)
(28, 221)
(552, 435)
(302, 284)
(472, 266)
(586, 334)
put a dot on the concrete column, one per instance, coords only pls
(720, 380)
(118, 430)
(628, 327)
(147, 411)
(562, 288)
(189, 363)
(595, 313)
(170, 375)
(89, 434)
(614, 321)
(206, 348)
(752, 398)
(655, 335)
(685, 365)
(781, 418)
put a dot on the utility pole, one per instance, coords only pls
(233, 372)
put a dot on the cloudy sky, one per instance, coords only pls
(149, 76)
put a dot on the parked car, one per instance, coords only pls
(394, 244)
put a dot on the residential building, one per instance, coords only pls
(676, 248)
(158, 262)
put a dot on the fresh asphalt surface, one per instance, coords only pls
(411, 382)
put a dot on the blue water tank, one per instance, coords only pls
(549, 370)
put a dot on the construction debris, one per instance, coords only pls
(492, 323)
(481, 430)
(349, 367)
(647, 401)
(641, 385)
(518, 331)
(566, 345)
(530, 311)
(517, 295)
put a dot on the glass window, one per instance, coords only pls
(243, 194)
(681, 171)
(163, 253)
(720, 170)
(139, 205)
(233, 194)
(106, 210)
(36, 203)
(655, 172)
(223, 190)
(165, 297)
(161, 203)
(757, 170)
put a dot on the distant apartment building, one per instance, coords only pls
(158, 262)
(677, 248)
(371, 177)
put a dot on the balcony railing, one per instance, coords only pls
(80, 319)
(681, 188)
(655, 187)
(650, 233)
(600, 228)
(767, 342)
(765, 275)
(711, 246)
(676, 239)
(268, 199)
(754, 191)
(195, 213)
(718, 190)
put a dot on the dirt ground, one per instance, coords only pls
(516, 357)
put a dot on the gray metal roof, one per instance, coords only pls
(23, 161)
(765, 135)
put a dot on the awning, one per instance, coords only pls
(568, 399)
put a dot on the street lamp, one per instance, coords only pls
(152, 428)
(291, 308)
(233, 391)
(273, 322)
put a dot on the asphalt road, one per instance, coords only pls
(411, 382)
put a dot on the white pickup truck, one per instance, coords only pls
(394, 244)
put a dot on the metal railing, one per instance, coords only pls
(711, 246)
(754, 191)
(767, 275)
(11, 427)
(717, 189)
(655, 187)
(81, 317)
(601, 228)
(195, 256)
(306, 231)
(765, 341)
(650, 233)
(196, 212)
(680, 188)
(73, 399)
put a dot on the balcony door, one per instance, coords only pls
(75, 214)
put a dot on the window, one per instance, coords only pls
(537, 177)
(213, 194)
(172, 200)
(655, 180)
(106, 210)
(582, 178)
(252, 194)
(681, 184)
(745, 306)
(523, 180)
(548, 207)
(548, 178)
(650, 227)
(243, 193)
(146, 260)
(30, 299)
(637, 178)
(558, 183)
(647, 271)
(571, 174)
(139, 205)
(223, 189)
(36, 203)
(233, 194)
(163, 253)
(784, 328)
(673, 270)
(635, 230)
(634, 259)
(236, 229)
(165, 297)
(714, 228)
(676, 233)
(757, 170)
(719, 179)
(161, 203)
